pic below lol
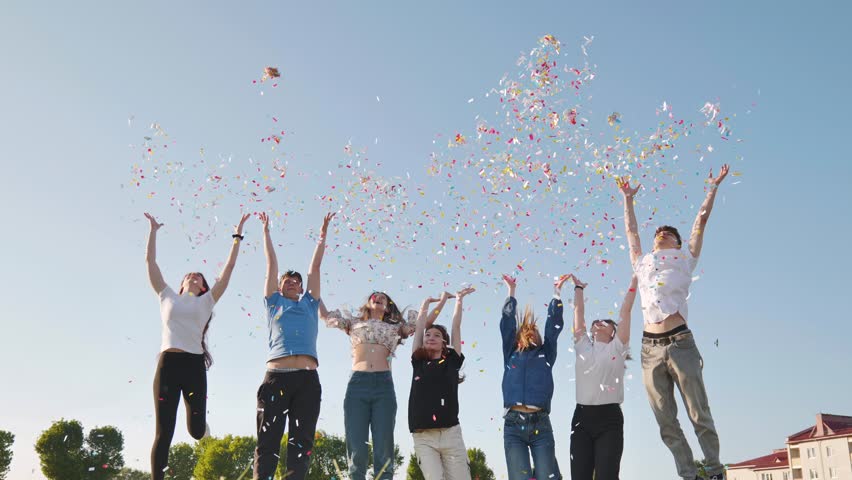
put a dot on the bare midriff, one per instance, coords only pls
(177, 350)
(525, 409)
(670, 323)
(370, 357)
(303, 362)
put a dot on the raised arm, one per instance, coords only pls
(696, 238)
(630, 225)
(508, 321)
(225, 277)
(455, 334)
(579, 308)
(422, 317)
(271, 260)
(555, 320)
(316, 261)
(626, 307)
(154, 274)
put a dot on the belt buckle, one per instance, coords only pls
(665, 341)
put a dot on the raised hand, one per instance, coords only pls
(154, 225)
(446, 295)
(238, 229)
(577, 282)
(509, 281)
(723, 172)
(464, 292)
(325, 222)
(264, 219)
(561, 280)
(624, 186)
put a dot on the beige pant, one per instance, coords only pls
(675, 362)
(441, 454)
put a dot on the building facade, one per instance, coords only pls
(820, 452)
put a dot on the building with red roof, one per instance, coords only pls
(820, 452)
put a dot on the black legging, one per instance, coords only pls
(177, 372)
(597, 441)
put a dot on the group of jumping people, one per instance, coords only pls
(290, 394)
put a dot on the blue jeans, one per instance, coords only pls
(370, 407)
(525, 434)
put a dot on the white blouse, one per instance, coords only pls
(664, 279)
(184, 318)
(600, 371)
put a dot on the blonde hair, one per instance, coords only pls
(527, 336)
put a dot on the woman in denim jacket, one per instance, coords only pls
(528, 386)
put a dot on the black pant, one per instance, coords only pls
(177, 373)
(597, 440)
(296, 395)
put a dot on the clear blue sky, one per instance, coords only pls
(80, 325)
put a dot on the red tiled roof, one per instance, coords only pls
(827, 426)
(776, 459)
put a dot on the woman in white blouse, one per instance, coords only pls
(184, 358)
(597, 429)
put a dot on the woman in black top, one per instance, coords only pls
(433, 404)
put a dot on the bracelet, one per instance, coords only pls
(577, 286)
(237, 235)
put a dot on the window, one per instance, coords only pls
(832, 472)
(827, 451)
(811, 452)
(812, 474)
(785, 476)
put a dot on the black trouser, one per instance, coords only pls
(177, 373)
(296, 395)
(597, 440)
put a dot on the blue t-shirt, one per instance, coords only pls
(292, 326)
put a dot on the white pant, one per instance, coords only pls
(441, 454)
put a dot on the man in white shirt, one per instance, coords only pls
(669, 354)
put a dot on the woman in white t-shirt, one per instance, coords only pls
(184, 359)
(597, 429)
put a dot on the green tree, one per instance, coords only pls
(182, 461)
(414, 472)
(6, 441)
(479, 469)
(230, 457)
(131, 474)
(327, 450)
(102, 454)
(65, 454)
(701, 465)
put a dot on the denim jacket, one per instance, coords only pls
(528, 375)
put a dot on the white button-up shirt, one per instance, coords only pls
(664, 278)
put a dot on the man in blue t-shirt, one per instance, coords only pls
(290, 392)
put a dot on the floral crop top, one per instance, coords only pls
(372, 331)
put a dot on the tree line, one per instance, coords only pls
(66, 453)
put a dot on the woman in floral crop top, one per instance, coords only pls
(370, 403)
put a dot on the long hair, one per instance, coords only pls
(528, 335)
(208, 359)
(422, 354)
(392, 313)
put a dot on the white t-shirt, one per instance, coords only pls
(184, 318)
(664, 278)
(599, 370)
